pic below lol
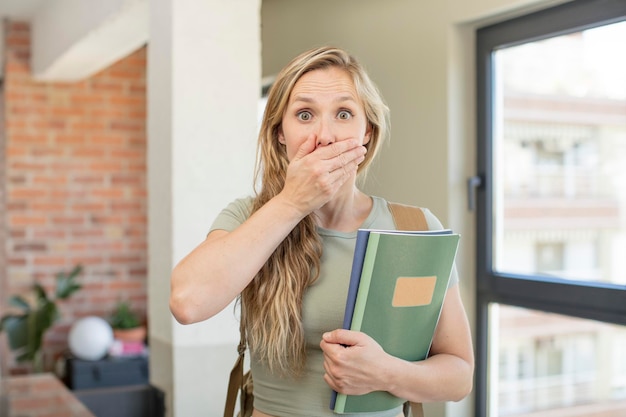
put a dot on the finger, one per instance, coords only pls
(330, 352)
(342, 160)
(325, 346)
(351, 156)
(337, 148)
(328, 368)
(331, 382)
(307, 147)
(339, 383)
(342, 337)
(340, 175)
(330, 377)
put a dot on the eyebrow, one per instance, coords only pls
(339, 99)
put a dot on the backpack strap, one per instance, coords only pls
(409, 218)
(236, 380)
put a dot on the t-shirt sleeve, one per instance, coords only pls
(435, 224)
(233, 215)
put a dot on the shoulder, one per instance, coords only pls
(242, 205)
(235, 213)
(433, 221)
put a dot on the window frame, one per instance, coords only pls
(589, 300)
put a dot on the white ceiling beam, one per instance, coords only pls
(74, 39)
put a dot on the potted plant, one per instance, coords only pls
(25, 330)
(126, 324)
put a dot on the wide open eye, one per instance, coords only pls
(344, 115)
(305, 116)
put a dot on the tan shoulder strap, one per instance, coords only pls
(408, 217)
(417, 410)
(235, 381)
(234, 385)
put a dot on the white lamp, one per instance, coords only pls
(90, 338)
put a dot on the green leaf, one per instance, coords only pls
(123, 317)
(66, 289)
(66, 283)
(40, 292)
(20, 302)
(46, 316)
(31, 343)
(16, 328)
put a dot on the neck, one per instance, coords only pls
(346, 212)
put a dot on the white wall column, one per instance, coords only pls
(204, 72)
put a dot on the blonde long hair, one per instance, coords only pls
(272, 302)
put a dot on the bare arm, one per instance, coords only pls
(215, 272)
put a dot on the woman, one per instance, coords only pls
(287, 252)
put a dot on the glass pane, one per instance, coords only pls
(549, 365)
(560, 156)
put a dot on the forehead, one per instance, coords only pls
(325, 82)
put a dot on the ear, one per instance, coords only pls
(281, 137)
(368, 134)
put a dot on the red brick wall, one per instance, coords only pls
(75, 183)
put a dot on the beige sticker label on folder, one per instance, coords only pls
(414, 291)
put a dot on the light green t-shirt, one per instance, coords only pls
(323, 310)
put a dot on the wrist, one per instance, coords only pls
(394, 375)
(289, 208)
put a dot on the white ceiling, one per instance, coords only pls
(93, 39)
(19, 9)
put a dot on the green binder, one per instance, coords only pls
(397, 299)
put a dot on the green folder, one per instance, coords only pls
(397, 299)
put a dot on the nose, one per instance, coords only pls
(325, 134)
